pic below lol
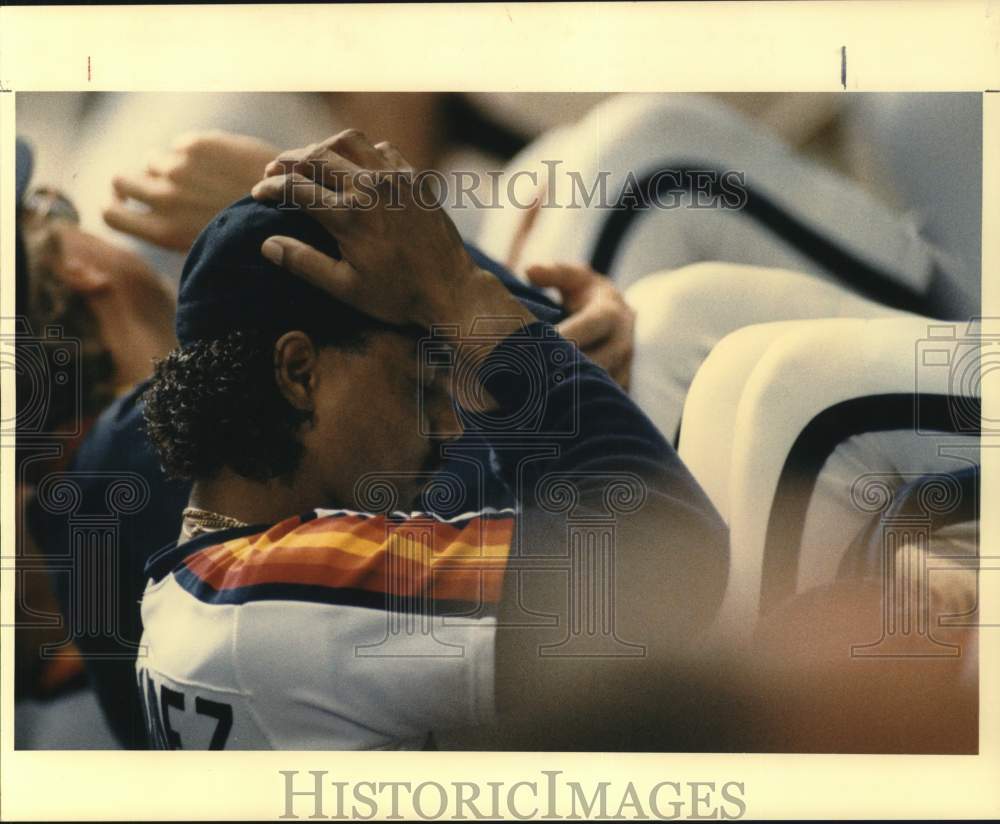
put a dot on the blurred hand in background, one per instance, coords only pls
(184, 187)
(600, 322)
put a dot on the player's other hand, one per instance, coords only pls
(403, 259)
(600, 322)
(183, 188)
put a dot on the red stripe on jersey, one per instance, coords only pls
(407, 558)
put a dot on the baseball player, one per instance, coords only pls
(305, 604)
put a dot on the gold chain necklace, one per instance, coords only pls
(207, 520)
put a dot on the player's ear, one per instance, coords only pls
(295, 358)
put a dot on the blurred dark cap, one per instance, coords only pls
(25, 163)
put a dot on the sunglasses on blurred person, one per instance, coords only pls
(45, 204)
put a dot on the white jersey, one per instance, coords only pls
(333, 630)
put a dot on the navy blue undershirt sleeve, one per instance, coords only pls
(586, 429)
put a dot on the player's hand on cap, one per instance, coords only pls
(404, 261)
(182, 188)
(600, 322)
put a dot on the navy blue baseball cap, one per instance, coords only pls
(227, 285)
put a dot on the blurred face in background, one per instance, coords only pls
(92, 266)
(105, 296)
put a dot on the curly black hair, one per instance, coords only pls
(215, 404)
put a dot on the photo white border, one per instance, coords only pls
(738, 46)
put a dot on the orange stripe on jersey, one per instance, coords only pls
(413, 557)
(373, 528)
